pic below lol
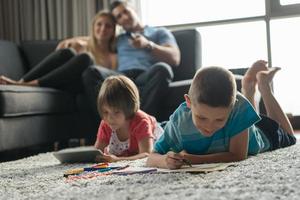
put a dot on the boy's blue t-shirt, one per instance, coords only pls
(136, 58)
(181, 134)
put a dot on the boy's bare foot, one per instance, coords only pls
(248, 87)
(264, 79)
(260, 65)
(249, 80)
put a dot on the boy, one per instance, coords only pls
(218, 124)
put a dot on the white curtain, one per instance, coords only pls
(47, 19)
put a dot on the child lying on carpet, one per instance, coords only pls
(218, 124)
(125, 132)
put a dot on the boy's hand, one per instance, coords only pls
(184, 155)
(173, 160)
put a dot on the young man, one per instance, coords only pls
(217, 124)
(145, 55)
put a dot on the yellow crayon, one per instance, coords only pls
(73, 171)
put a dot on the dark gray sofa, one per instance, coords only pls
(35, 116)
(31, 116)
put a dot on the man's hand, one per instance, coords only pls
(139, 41)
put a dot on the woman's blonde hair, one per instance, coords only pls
(119, 92)
(93, 41)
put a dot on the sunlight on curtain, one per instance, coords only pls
(46, 19)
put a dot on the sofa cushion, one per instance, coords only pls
(11, 61)
(36, 50)
(23, 100)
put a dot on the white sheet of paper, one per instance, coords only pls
(199, 168)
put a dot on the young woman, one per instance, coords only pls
(63, 68)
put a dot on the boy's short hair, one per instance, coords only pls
(213, 86)
(119, 92)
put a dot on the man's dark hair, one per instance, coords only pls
(115, 4)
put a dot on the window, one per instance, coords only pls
(233, 45)
(285, 54)
(289, 2)
(171, 12)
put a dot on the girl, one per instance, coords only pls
(125, 132)
(63, 68)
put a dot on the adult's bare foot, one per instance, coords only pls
(7, 81)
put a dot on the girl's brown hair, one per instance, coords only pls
(119, 92)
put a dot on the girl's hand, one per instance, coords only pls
(108, 157)
(173, 160)
(99, 159)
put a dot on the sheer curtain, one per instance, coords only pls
(47, 19)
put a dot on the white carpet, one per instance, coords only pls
(271, 175)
